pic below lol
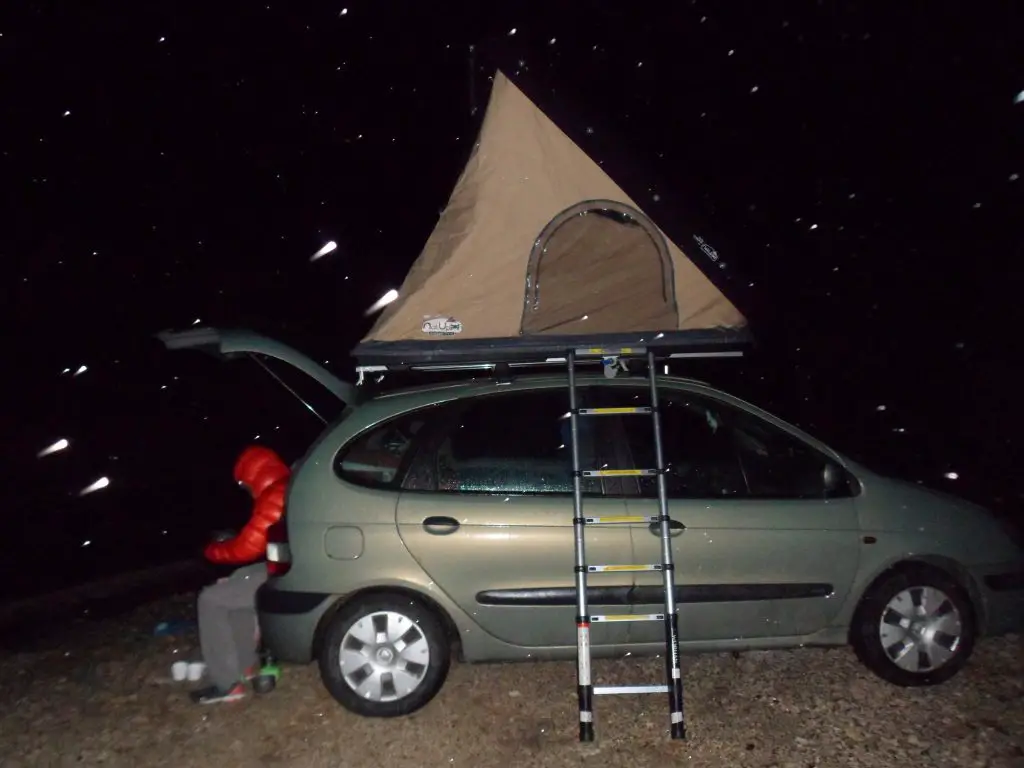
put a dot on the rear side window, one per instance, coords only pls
(514, 443)
(379, 456)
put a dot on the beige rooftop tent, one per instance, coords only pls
(538, 250)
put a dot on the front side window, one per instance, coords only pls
(713, 450)
(778, 465)
(514, 443)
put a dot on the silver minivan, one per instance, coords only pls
(437, 520)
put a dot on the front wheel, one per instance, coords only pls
(915, 627)
(384, 656)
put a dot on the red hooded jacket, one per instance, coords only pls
(265, 476)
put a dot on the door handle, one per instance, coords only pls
(440, 525)
(674, 525)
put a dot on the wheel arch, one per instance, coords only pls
(946, 565)
(451, 630)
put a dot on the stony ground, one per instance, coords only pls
(99, 694)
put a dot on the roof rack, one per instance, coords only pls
(592, 355)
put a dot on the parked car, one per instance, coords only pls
(438, 519)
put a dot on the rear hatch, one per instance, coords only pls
(262, 350)
(328, 402)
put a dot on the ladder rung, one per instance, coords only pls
(606, 690)
(610, 351)
(624, 568)
(615, 411)
(609, 617)
(619, 472)
(618, 519)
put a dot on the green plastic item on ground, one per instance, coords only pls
(271, 669)
(266, 680)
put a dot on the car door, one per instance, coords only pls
(766, 550)
(487, 512)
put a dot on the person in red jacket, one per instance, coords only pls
(228, 630)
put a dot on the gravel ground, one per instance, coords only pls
(100, 694)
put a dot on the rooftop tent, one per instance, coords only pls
(539, 251)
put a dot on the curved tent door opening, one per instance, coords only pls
(599, 267)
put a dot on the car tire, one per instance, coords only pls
(915, 627)
(390, 674)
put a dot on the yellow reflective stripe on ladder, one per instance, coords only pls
(623, 568)
(621, 519)
(614, 411)
(610, 617)
(619, 472)
(610, 351)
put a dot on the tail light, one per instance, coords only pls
(279, 554)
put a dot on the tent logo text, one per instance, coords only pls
(711, 252)
(442, 326)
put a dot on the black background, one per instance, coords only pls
(210, 149)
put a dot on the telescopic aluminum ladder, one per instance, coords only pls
(585, 687)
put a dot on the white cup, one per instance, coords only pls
(179, 671)
(195, 671)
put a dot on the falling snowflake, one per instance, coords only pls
(100, 484)
(328, 246)
(59, 445)
(383, 301)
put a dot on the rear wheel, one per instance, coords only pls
(915, 627)
(384, 656)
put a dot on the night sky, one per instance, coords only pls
(857, 168)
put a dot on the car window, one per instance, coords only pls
(377, 457)
(776, 464)
(515, 443)
(699, 458)
(713, 450)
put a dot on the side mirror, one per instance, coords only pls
(832, 477)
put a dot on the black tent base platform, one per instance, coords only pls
(533, 351)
